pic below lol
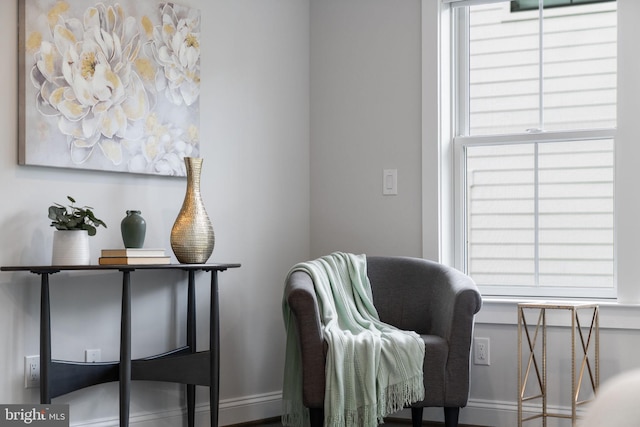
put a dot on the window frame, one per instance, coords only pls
(566, 3)
(459, 53)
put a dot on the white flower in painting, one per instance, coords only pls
(163, 148)
(85, 75)
(176, 48)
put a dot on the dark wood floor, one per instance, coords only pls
(275, 422)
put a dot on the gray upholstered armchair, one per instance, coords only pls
(436, 301)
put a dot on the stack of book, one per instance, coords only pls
(133, 256)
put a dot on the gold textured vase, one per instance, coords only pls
(192, 236)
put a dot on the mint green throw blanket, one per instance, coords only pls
(372, 369)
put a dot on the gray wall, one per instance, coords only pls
(365, 117)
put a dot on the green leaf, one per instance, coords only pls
(55, 212)
(91, 230)
(74, 218)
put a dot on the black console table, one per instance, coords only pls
(183, 365)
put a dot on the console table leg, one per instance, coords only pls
(45, 339)
(191, 405)
(214, 344)
(191, 342)
(125, 350)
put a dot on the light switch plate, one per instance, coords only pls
(390, 182)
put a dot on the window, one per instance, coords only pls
(535, 118)
(518, 5)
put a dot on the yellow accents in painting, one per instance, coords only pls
(92, 12)
(57, 10)
(111, 16)
(66, 33)
(73, 108)
(49, 60)
(145, 69)
(112, 150)
(112, 78)
(169, 29)
(88, 67)
(120, 12)
(57, 96)
(33, 41)
(192, 41)
(193, 76)
(147, 25)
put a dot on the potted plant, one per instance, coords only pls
(74, 225)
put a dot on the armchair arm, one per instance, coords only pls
(301, 297)
(454, 321)
(458, 300)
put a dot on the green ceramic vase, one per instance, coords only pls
(133, 228)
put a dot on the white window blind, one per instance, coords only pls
(535, 129)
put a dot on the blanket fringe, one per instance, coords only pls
(400, 395)
(393, 399)
(294, 415)
(363, 416)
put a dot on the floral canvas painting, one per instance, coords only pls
(110, 86)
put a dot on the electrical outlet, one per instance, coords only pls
(481, 351)
(31, 371)
(92, 355)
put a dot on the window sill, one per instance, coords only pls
(613, 315)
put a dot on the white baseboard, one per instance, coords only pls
(268, 405)
(242, 410)
(493, 414)
(231, 411)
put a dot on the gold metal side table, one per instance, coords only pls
(587, 338)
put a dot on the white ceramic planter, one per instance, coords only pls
(70, 247)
